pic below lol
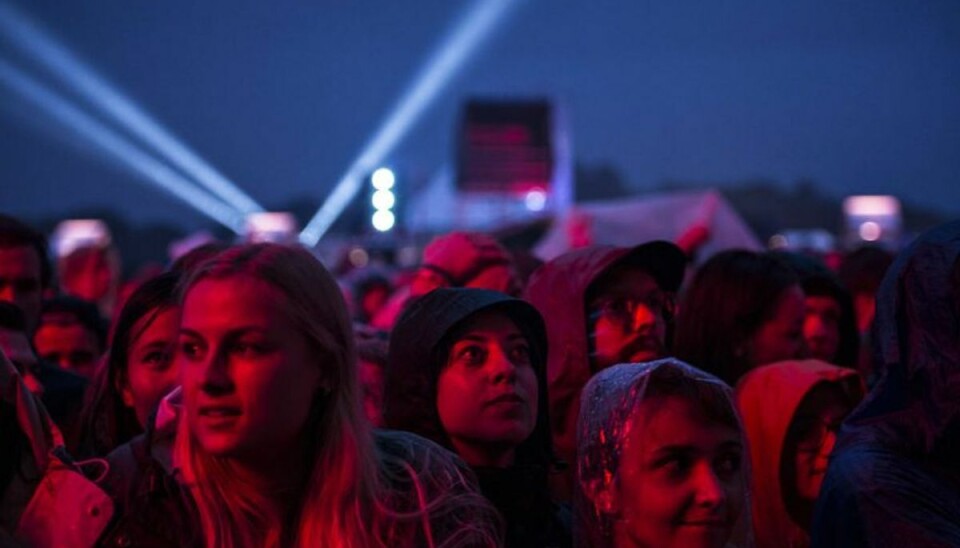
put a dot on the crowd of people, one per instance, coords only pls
(248, 395)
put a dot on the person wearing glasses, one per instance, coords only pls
(602, 305)
(792, 412)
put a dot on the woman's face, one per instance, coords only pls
(487, 391)
(781, 337)
(151, 373)
(810, 440)
(680, 481)
(249, 375)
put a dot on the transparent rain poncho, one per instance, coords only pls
(609, 405)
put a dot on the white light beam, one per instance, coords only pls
(124, 152)
(81, 78)
(438, 72)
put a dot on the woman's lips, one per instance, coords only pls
(506, 399)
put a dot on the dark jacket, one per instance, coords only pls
(894, 478)
(419, 346)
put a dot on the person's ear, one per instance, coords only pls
(127, 396)
(121, 385)
(605, 498)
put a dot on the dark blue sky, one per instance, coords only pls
(861, 96)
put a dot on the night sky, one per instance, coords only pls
(860, 96)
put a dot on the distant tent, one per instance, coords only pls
(663, 216)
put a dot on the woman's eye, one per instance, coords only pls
(521, 353)
(246, 349)
(472, 354)
(728, 465)
(156, 357)
(190, 349)
(675, 466)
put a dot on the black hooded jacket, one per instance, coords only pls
(894, 477)
(419, 346)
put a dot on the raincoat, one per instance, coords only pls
(894, 479)
(768, 398)
(558, 290)
(418, 351)
(610, 400)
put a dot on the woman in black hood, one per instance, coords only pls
(466, 369)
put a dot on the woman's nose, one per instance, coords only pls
(710, 491)
(502, 367)
(216, 377)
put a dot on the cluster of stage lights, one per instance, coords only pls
(227, 204)
(383, 200)
(477, 25)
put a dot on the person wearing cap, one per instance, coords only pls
(465, 259)
(603, 305)
(455, 259)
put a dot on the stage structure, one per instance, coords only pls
(513, 163)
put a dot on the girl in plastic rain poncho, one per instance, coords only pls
(661, 460)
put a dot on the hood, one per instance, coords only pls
(558, 290)
(610, 400)
(416, 356)
(768, 398)
(916, 350)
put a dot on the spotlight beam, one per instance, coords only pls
(437, 73)
(70, 70)
(118, 147)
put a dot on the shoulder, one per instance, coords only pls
(407, 458)
(151, 507)
(428, 492)
(873, 495)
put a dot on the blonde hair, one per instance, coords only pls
(336, 506)
(357, 494)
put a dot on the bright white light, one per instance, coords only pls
(76, 233)
(278, 227)
(383, 220)
(383, 179)
(535, 200)
(870, 231)
(82, 79)
(441, 68)
(871, 205)
(383, 199)
(117, 147)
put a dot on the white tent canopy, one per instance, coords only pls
(662, 216)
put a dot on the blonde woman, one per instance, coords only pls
(271, 446)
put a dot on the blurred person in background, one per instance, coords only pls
(861, 272)
(71, 334)
(138, 370)
(455, 259)
(15, 345)
(25, 271)
(370, 290)
(92, 273)
(661, 460)
(742, 310)
(25, 276)
(792, 412)
(602, 305)
(894, 477)
(830, 322)
(466, 369)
